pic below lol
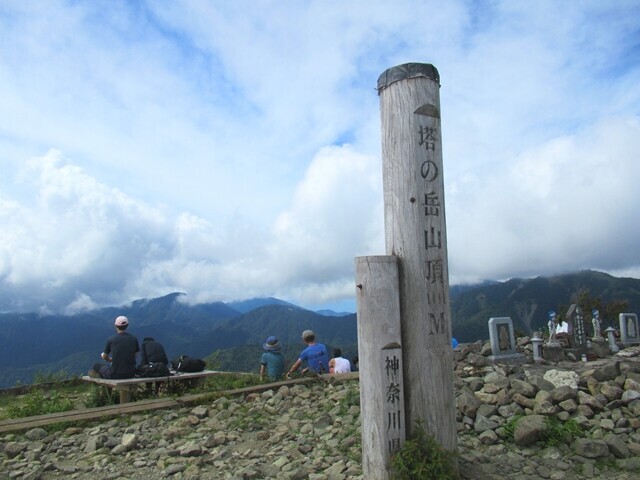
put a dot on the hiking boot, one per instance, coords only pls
(94, 374)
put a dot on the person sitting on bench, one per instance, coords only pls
(152, 351)
(120, 351)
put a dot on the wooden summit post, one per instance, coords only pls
(380, 355)
(415, 232)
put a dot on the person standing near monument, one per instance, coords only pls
(120, 351)
(315, 354)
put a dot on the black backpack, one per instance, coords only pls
(151, 370)
(184, 363)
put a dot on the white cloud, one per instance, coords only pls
(231, 149)
(336, 211)
(82, 303)
(562, 206)
(81, 243)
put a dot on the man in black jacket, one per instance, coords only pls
(152, 352)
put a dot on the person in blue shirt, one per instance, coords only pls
(315, 354)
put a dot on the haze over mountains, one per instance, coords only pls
(31, 343)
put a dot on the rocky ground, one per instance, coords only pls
(312, 431)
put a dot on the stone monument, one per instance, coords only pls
(552, 324)
(629, 332)
(552, 351)
(503, 341)
(577, 335)
(595, 322)
(599, 344)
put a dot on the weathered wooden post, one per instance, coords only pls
(415, 232)
(380, 354)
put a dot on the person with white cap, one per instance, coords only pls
(120, 351)
(315, 355)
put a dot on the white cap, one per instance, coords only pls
(121, 321)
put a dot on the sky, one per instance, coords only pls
(232, 150)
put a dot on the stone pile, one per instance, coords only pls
(507, 412)
(312, 431)
(308, 431)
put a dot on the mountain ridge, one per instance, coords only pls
(73, 343)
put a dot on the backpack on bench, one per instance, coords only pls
(152, 370)
(186, 364)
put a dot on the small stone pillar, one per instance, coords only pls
(537, 347)
(612, 340)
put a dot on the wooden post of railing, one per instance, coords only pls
(415, 232)
(380, 355)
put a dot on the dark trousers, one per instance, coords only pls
(103, 369)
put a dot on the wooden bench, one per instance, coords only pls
(127, 386)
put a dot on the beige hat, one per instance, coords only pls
(121, 321)
(307, 333)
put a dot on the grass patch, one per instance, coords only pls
(38, 402)
(423, 458)
(41, 401)
(351, 399)
(608, 464)
(558, 433)
(60, 398)
(102, 396)
(510, 426)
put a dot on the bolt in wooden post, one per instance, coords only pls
(415, 232)
(380, 355)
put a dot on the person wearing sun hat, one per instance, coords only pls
(120, 351)
(272, 361)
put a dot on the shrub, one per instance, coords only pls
(102, 396)
(423, 458)
(510, 426)
(558, 433)
(555, 433)
(37, 403)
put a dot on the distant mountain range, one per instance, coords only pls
(230, 335)
(31, 343)
(527, 301)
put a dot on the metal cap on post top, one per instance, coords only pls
(406, 71)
